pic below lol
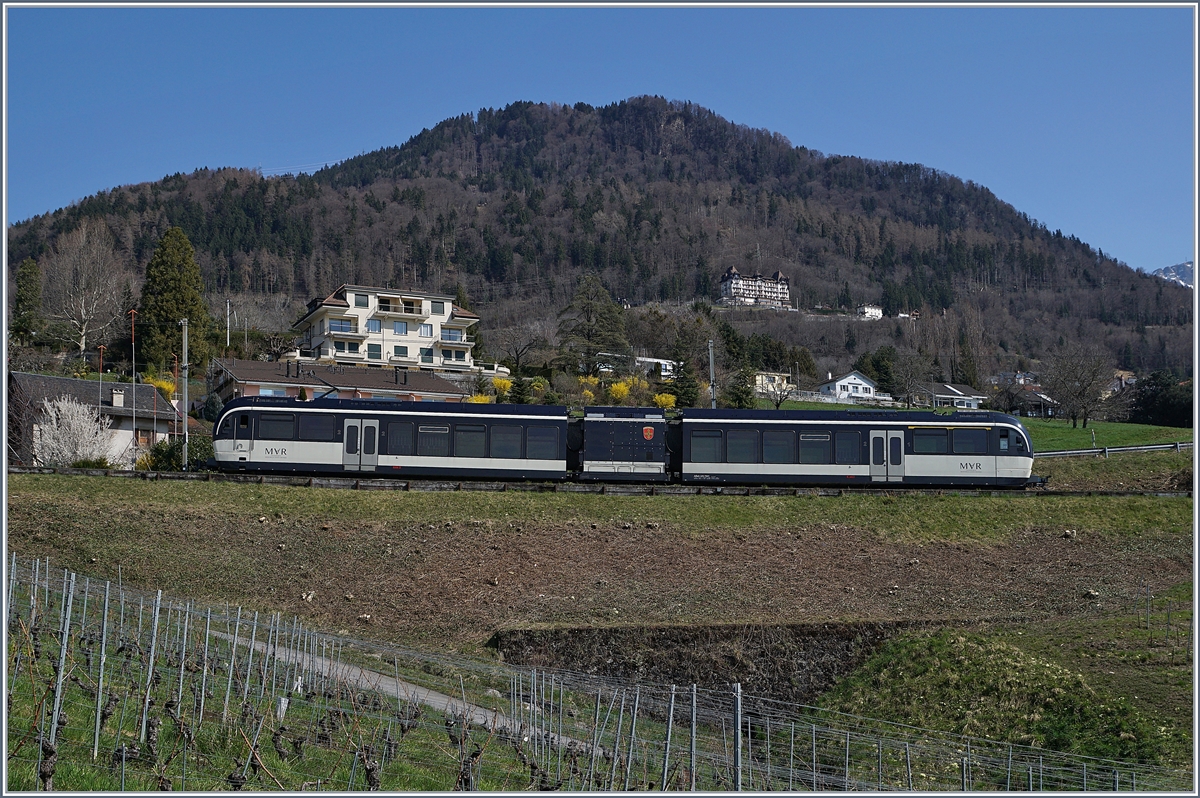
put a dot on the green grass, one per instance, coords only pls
(1051, 435)
(41, 504)
(1010, 687)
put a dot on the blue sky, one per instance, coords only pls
(1081, 117)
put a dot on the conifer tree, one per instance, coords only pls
(519, 395)
(27, 304)
(173, 291)
(684, 387)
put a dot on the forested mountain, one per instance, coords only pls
(658, 198)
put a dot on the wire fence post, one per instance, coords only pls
(737, 747)
(692, 761)
(100, 678)
(667, 748)
(150, 669)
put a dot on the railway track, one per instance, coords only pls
(614, 489)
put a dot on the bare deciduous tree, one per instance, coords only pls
(69, 431)
(1075, 377)
(82, 284)
(779, 391)
(911, 369)
(522, 343)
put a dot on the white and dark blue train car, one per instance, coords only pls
(854, 447)
(440, 440)
(624, 444)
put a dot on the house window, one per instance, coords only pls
(374, 326)
(399, 351)
(426, 354)
(272, 392)
(374, 351)
(360, 300)
(460, 355)
(341, 325)
(866, 389)
(400, 328)
(438, 308)
(343, 346)
(426, 331)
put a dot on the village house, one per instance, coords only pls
(232, 378)
(852, 386)
(946, 394)
(123, 403)
(870, 311)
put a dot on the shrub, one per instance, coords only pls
(168, 455)
(664, 401)
(94, 462)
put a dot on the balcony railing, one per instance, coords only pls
(456, 338)
(402, 310)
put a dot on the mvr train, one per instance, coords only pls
(441, 440)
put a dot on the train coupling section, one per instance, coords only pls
(1035, 481)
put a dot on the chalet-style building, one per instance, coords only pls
(870, 311)
(737, 289)
(851, 386)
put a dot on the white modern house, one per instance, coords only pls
(369, 326)
(870, 311)
(738, 289)
(945, 394)
(851, 386)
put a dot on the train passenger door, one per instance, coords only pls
(360, 439)
(887, 455)
(243, 436)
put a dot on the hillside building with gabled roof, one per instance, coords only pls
(737, 289)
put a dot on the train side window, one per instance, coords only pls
(877, 451)
(1003, 441)
(321, 427)
(541, 443)
(433, 441)
(970, 441)
(897, 447)
(743, 446)
(929, 441)
(506, 442)
(276, 426)
(706, 446)
(814, 448)
(370, 434)
(243, 426)
(352, 439)
(399, 437)
(779, 446)
(470, 440)
(849, 447)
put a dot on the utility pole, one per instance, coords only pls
(183, 322)
(100, 399)
(227, 325)
(133, 358)
(712, 376)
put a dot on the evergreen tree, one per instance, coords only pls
(592, 330)
(27, 319)
(684, 387)
(172, 291)
(519, 395)
(740, 392)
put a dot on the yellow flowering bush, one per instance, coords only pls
(501, 386)
(618, 391)
(479, 399)
(664, 401)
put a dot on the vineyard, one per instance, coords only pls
(111, 688)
